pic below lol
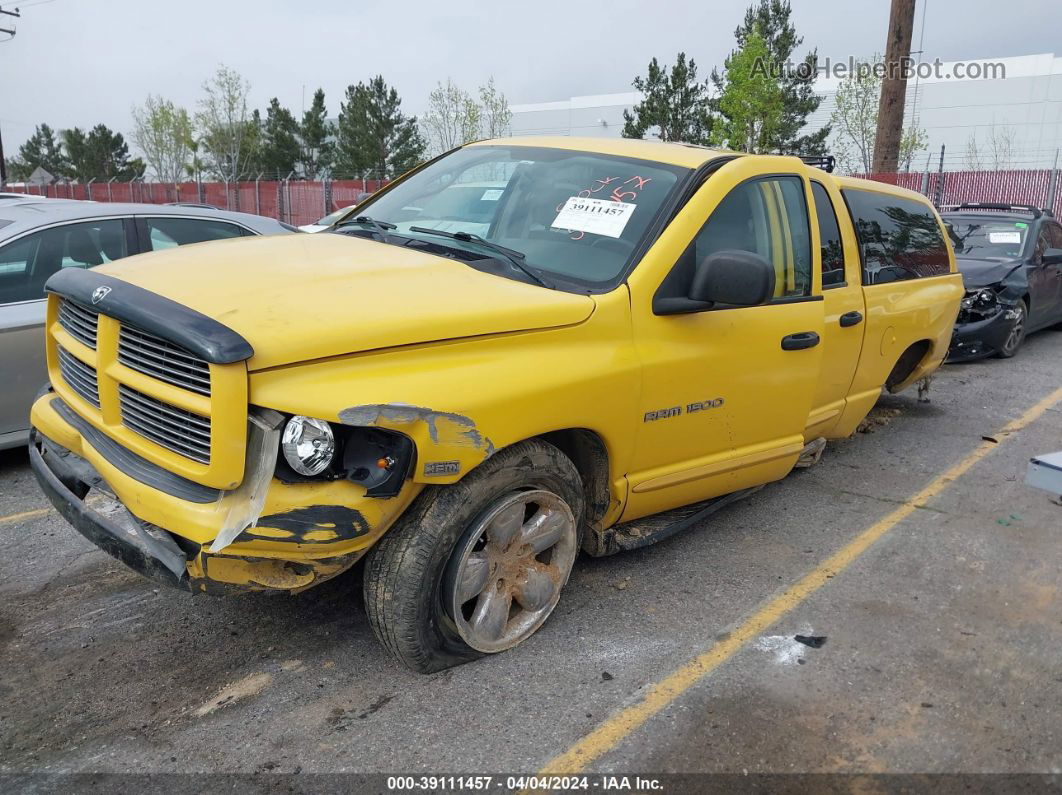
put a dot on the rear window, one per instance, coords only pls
(898, 238)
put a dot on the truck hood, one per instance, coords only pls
(300, 297)
(984, 272)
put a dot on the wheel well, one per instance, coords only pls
(907, 363)
(587, 451)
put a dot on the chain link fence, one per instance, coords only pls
(291, 201)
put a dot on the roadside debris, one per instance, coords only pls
(923, 389)
(621, 584)
(245, 688)
(811, 641)
(877, 418)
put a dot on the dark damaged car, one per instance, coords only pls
(1010, 257)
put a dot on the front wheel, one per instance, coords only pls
(477, 567)
(1017, 332)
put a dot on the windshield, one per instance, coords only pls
(984, 238)
(576, 214)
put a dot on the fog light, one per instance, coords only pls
(308, 445)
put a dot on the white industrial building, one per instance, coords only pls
(1027, 103)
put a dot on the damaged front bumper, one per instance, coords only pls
(288, 537)
(981, 337)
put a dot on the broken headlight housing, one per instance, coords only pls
(313, 450)
(978, 305)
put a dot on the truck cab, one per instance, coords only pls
(620, 337)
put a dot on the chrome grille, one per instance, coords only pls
(80, 322)
(79, 376)
(163, 360)
(175, 429)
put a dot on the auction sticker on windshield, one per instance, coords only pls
(1004, 237)
(594, 216)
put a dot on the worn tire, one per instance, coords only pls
(1011, 347)
(404, 571)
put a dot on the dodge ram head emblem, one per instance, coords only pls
(99, 294)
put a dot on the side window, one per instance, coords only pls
(170, 232)
(26, 263)
(768, 217)
(830, 238)
(898, 238)
(1056, 235)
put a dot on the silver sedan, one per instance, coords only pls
(39, 237)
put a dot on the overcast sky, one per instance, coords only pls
(81, 62)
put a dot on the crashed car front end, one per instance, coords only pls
(985, 321)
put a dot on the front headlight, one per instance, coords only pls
(308, 445)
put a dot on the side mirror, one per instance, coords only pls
(735, 278)
(1052, 256)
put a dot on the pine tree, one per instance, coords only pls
(771, 19)
(280, 150)
(374, 138)
(318, 148)
(675, 104)
(42, 150)
(100, 154)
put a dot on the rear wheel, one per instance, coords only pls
(1017, 332)
(477, 567)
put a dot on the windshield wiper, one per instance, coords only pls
(380, 226)
(515, 257)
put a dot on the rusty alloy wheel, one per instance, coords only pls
(506, 575)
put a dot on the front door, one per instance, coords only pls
(726, 391)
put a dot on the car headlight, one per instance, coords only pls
(308, 445)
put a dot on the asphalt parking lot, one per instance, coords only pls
(924, 574)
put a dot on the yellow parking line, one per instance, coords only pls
(609, 734)
(14, 517)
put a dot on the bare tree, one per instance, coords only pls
(225, 123)
(974, 157)
(452, 118)
(494, 110)
(1001, 147)
(855, 119)
(163, 132)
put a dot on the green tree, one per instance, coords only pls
(854, 122)
(452, 117)
(674, 106)
(226, 124)
(750, 101)
(494, 110)
(163, 132)
(280, 151)
(100, 154)
(770, 18)
(42, 150)
(318, 149)
(374, 138)
(17, 169)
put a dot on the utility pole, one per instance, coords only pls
(11, 34)
(894, 86)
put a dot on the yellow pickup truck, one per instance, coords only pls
(524, 348)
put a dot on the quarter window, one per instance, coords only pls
(170, 232)
(898, 238)
(829, 238)
(768, 217)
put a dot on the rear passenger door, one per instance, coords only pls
(842, 292)
(910, 291)
(162, 232)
